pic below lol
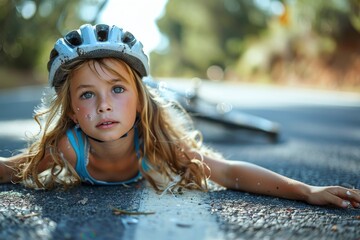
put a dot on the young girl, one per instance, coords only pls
(104, 126)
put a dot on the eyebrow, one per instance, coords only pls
(111, 81)
(84, 86)
(115, 80)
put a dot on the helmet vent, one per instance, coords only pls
(102, 31)
(73, 38)
(129, 39)
(53, 55)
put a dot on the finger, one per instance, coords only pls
(334, 199)
(353, 195)
(347, 194)
(355, 204)
(339, 197)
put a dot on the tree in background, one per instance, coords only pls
(320, 46)
(289, 41)
(28, 28)
(203, 33)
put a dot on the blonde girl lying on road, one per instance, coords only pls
(104, 126)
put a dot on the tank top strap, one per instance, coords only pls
(79, 145)
(70, 135)
(138, 144)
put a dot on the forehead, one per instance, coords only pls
(104, 69)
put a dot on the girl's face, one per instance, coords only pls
(104, 104)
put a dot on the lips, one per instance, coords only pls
(106, 124)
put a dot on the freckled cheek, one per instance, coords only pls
(126, 108)
(84, 113)
(127, 104)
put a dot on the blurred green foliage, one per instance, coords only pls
(203, 33)
(28, 29)
(261, 40)
(282, 41)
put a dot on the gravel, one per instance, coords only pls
(80, 213)
(248, 216)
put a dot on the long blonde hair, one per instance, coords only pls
(166, 130)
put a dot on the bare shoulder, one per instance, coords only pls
(8, 167)
(67, 150)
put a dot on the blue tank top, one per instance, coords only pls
(81, 148)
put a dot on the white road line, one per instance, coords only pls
(185, 216)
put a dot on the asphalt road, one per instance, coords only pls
(319, 144)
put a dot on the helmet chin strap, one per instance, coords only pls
(137, 120)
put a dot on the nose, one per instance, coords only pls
(104, 105)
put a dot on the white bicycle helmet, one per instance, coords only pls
(97, 41)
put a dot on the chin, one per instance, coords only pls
(114, 138)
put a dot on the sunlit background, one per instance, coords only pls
(137, 16)
(284, 42)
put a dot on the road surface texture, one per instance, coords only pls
(319, 144)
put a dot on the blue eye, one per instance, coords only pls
(87, 95)
(118, 89)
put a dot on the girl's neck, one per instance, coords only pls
(113, 151)
(113, 161)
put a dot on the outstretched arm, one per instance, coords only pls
(255, 179)
(9, 166)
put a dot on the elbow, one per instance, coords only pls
(233, 180)
(226, 176)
